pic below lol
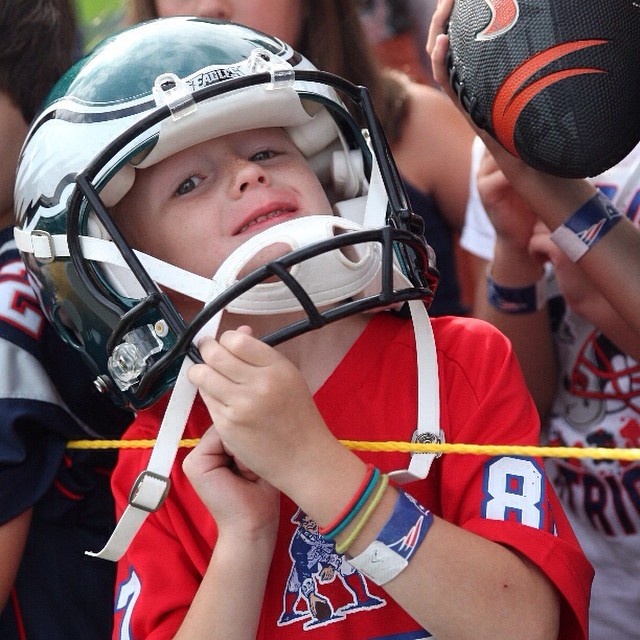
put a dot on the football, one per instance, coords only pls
(556, 82)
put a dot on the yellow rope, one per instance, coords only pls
(598, 453)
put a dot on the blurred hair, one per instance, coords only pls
(333, 39)
(37, 45)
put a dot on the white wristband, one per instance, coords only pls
(389, 554)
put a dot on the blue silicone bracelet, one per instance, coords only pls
(516, 300)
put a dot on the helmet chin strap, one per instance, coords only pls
(428, 420)
(327, 278)
(152, 485)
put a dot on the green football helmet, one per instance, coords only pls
(149, 92)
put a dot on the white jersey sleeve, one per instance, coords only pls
(478, 236)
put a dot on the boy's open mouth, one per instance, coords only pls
(263, 218)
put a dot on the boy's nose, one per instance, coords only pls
(258, 180)
(247, 176)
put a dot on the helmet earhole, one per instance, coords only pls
(347, 173)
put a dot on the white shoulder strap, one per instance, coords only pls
(152, 485)
(428, 428)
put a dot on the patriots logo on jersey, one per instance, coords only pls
(322, 587)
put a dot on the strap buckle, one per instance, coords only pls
(149, 491)
(427, 438)
(42, 246)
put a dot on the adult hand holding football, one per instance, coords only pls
(557, 83)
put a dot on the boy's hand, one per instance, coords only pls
(260, 404)
(240, 501)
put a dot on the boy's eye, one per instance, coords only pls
(265, 154)
(188, 185)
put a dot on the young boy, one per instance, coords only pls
(220, 151)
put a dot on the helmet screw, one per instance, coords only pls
(102, 384)
(161, 328)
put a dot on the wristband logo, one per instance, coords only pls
(504, 15)
(519, 88)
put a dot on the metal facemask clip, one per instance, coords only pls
(282, 73)
(171, 91)
(129, 360)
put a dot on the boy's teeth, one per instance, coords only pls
(259, 219)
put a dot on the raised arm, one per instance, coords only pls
(613, 262)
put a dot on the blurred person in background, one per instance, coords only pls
(54, 503)
(397, 31)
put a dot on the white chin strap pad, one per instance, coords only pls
(327, 278)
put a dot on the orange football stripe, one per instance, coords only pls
(508, 105)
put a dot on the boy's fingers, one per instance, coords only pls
(235, 344)
(245, 347)
(234, 360)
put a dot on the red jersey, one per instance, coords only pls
(371, 396)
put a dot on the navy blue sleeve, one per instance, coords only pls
(47, 397)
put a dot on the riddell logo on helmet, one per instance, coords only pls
(504, 15)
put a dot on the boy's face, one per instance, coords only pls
(196, 207)
(13, 130)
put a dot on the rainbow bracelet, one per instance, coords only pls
(366, 515)
(355, 504)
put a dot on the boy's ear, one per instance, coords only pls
(347, 174)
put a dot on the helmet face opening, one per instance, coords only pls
(164, 86)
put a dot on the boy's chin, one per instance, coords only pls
(266, 255)
(189, 308)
